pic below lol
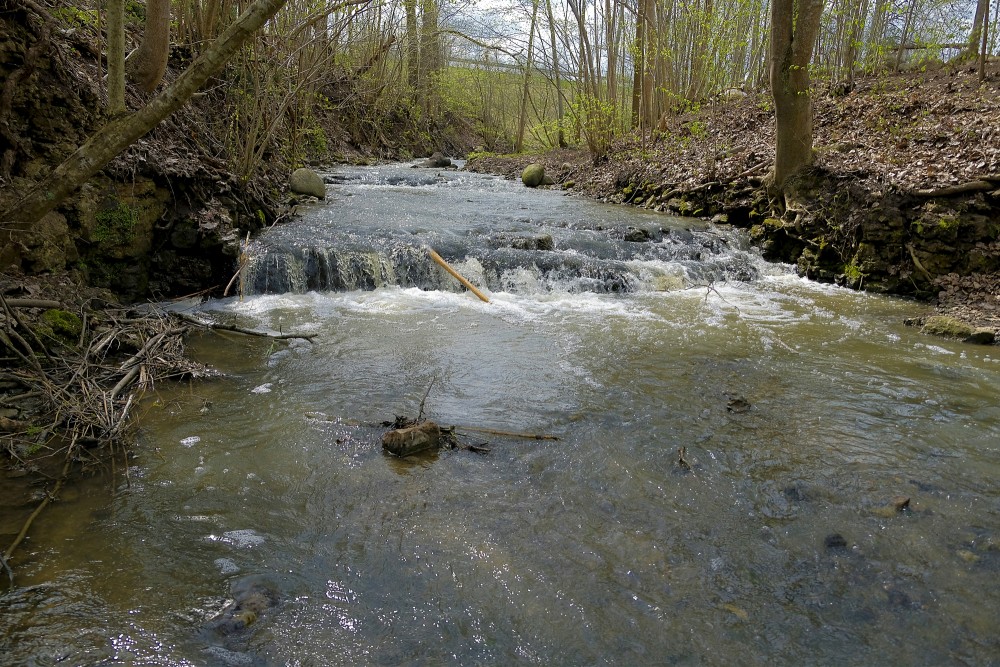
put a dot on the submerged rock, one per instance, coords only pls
(437, 160)
(252, 596)
(305, 181)
(835, 541)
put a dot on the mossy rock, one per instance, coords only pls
(533, 175)
(950, 327)
(64, 324)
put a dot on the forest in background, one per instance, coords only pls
(411, 76)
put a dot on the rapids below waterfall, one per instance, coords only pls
(805, 414)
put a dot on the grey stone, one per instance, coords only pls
(305, 181)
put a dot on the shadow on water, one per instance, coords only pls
(751, 468)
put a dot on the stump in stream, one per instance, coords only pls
(412, 439)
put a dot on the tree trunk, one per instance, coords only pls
(412, 45)
(122, 132)
(555, 70)
(522, 119)
(794, 25)
(430, 56)
(979, 27)
(646, 108)
(116, 57)
(147, 63)
(639, 62)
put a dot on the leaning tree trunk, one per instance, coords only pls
(123, 131)
(794, 26)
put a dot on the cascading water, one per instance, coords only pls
(761, 471)
(504, 237)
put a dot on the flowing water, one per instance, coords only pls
(803, 414)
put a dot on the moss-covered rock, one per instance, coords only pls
(949, 327)
(63, 324)
(533, 175)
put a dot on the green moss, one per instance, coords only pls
(853, 273)
(773, 223)
(116, 226)
(63, 324)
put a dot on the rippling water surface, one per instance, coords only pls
(803, 412)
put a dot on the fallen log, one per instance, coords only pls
(960, 189)
(447, 267)
(241, 330)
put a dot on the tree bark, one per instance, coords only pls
(120, 133)
(979, 26)
(147, 63)
(794, 26)
(116, 57)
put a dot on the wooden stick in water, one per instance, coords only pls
(447, 267)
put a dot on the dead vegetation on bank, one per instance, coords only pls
(74, 364)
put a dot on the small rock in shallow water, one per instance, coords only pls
(835, 541)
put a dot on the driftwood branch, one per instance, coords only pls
(33, 303)
(241, 330)
(458, 276)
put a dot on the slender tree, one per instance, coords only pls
(525, 91)
(794, 26)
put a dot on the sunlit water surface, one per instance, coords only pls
(804, 411)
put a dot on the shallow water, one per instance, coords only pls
(804, 410)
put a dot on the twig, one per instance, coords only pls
(38, 510)
(420, 412)
(509, 434)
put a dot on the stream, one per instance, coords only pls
(750, 467)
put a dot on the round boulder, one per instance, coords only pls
(305, 181)
(533, 175)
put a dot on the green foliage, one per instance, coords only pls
(599, 120)
(853, 273)
(116, 226)
(73, 17)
